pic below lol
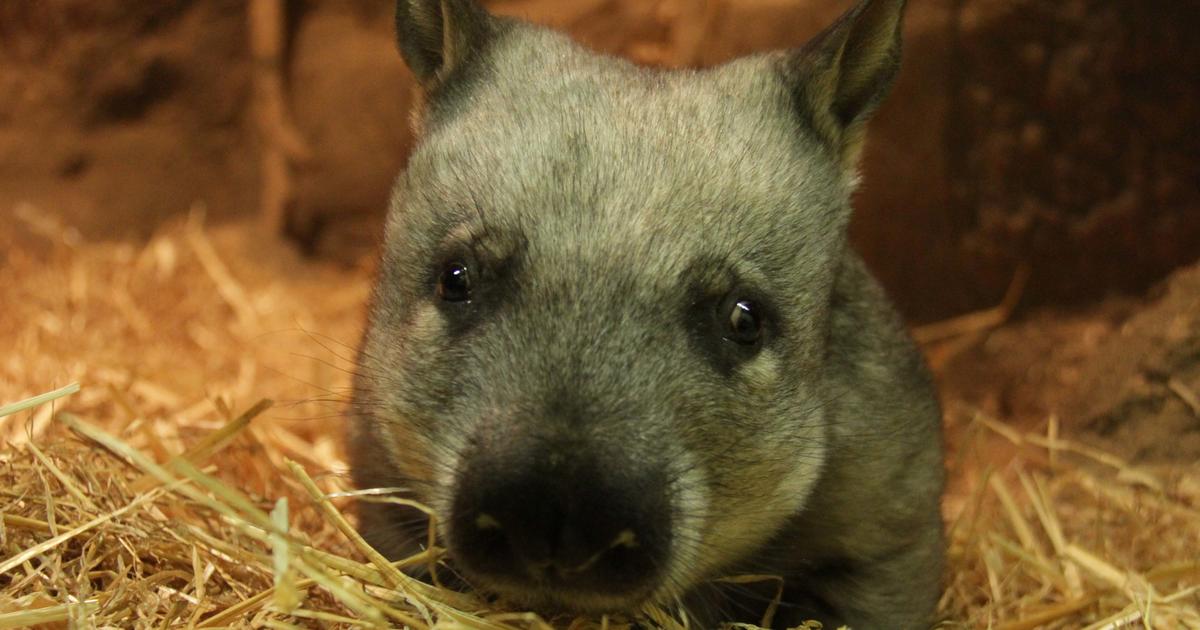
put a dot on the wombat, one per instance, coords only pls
(618, 342)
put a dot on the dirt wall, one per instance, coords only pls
(1064, 135)
(118, 114)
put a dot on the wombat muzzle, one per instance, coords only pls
(551, 517)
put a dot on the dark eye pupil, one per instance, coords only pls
(454, 285)
(744, 324)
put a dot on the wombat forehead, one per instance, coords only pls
(542, 93)
(677, 128)
(564, 146)
(633, 164)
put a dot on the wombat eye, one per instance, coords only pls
(744, 323)
(454, 283)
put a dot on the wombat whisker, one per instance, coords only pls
(321, 339)
(318, 400)
(711, 607)
(309, 418)
(742, 598)
(295, 378)
(379, 491)
(351, 370)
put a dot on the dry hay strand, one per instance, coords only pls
(137, 502)
(1063, 535)
(97, 533)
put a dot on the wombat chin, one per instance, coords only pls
(555, 601)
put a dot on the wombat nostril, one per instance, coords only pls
(626, 538)
(584, 528)
(487, 521)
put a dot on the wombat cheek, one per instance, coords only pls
(761, 374)
(427, 324)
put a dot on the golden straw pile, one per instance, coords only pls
(165, 492)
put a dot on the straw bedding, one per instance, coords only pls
(166, 492)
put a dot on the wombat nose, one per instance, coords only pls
(573, 526)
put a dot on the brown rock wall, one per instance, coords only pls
(1065, 135)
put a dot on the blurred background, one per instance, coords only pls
(1060, 135)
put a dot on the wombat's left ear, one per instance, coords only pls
(843, 74)
(438, 36)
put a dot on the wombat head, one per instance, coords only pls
(597, 339)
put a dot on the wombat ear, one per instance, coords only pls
(843, 74)
(437, 36)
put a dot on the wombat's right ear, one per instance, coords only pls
(437, 36)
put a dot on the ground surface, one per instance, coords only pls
(172, 337)
(1124, 374)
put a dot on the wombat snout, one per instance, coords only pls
(552, 516)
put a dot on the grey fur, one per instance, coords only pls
(599, 203)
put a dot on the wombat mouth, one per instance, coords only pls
(550, 598)
(612, 580)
